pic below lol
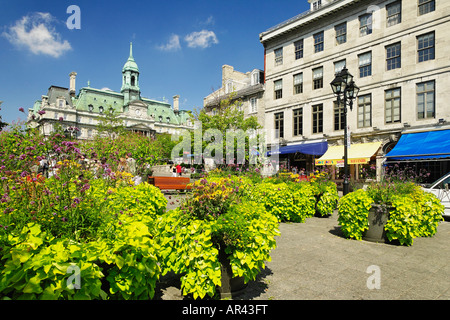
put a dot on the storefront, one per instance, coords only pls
(428, 151)
(301, 156)
(363, 154)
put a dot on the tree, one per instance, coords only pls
(110, 125)
(227, 118)
(2, 124)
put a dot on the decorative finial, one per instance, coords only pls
(131, 49)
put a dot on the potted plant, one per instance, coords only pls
(216, 236)
(390, 211)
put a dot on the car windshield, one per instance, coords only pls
(444, 183)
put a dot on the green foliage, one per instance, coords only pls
(327, 197)
(251, 246)
(353, 214)
(287, 201)
(191, 236)
(415, 213)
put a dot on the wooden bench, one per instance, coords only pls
(170, 183)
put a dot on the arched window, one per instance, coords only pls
(100, 109)
(133, 80)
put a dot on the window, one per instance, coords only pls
(364, 111)
(394, 13)
(279, 125)
(133, 81)
(339, 116)
(55, 116)
(317, 4)
(365, 64)
(278, 89)
(317, 116)
(318, 78)
(255, 78)
(393, 103)
(393, 56)
(279, 57)
(426, 100)
(426, 6)
(229, 87)
(341, 33)
(338, 66)
(90, 108)
(61, 103)
(100, 109)
(426, 47)
(298, 122)
(318, 42)
(298, 49)
(298, 83)
(253, 105)
(365, 25)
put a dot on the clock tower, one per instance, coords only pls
(130, 79)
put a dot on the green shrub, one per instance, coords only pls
(217, 216)
(415, 213)
(353, 214)
(291, 201)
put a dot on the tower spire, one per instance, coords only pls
(131, 50)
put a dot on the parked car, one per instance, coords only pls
(440, 188)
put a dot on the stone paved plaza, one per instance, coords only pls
(313, 261)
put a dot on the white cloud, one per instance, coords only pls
(172, 45)
(36, 33)
(202, 39)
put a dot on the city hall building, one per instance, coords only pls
(79, 114)
(397, 52)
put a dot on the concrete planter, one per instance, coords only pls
(229, 284)
(378, 217)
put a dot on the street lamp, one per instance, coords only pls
(344, 85)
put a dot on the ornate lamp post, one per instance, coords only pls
(344, 85)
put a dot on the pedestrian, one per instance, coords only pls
(131, 163)
(173, 168)
(43, 167)
(178, 170)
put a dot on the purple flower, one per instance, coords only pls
(21, 110)
(61, 119)
(41, 112)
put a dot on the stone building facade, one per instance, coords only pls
(395, 49)
(247, 87)
(79, 114)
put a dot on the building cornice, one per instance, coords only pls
(304, 19)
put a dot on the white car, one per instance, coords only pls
(440, 189)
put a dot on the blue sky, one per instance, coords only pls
(179, 46)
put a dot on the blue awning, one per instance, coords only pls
(422, 146)
(315, 149)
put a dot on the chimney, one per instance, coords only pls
(72, 90)
(176, 103)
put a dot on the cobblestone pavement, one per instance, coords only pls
(314, 261)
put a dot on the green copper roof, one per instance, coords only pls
(130, 64)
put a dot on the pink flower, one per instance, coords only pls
(21, 110)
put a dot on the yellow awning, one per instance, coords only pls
(357, 154)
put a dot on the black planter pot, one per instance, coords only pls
(230, 285)
(378, 217)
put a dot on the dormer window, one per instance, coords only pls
(61, 103)
(316, 5)
(229, 87)
(255, 78)
(90, 108)
(100, 109)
